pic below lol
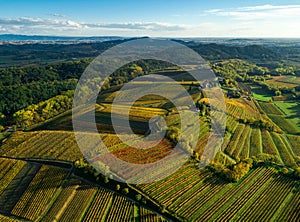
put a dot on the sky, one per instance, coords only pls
(190, 18)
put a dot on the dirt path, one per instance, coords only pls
(62, 210)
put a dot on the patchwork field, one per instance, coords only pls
(284, 81)
(49, 193)
(253, 129)
(284, 114)
(207, 191)
(63, 197)
(199, 197)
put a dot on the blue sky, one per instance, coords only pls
(194, 18)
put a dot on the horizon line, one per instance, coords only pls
(146, 36)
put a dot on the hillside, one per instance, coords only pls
(253, 176)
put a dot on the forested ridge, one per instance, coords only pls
(25, 86)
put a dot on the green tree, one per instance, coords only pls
(297, 173)
(138, 197)
(284, 170)
(125, 190)
(106, 180)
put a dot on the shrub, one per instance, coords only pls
(125, 191)
(106, 180)
(235, 172)
(297, 173)
(138, 197)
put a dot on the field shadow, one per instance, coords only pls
(295, 110)
(16, 188)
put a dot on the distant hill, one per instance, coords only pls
(26, 53)
(215, 51)
(19, 50)
(42, 38)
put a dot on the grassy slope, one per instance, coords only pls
(291, 112)
(261, 94)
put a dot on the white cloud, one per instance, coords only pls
(154, 26)
(58, 15)
(213, 11)
(259, 12)
(257, 21)
(28, 25)
(25, 22)
(267, 7)
(253, 21)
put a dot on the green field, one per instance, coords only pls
(261, 94)
(270, 108)
(284, 124)
(291, 112)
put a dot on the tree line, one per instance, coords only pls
(42, 111)
(16, 97)
(235, 172)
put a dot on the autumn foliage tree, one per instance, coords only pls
(42, 111)
(232, 173)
